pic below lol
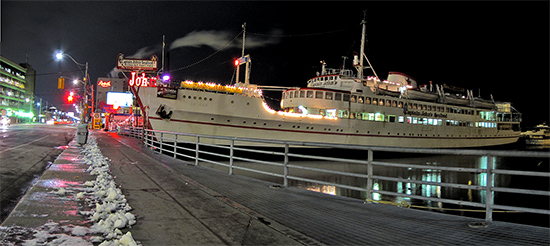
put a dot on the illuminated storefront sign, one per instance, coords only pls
(137, 64)
(142, 80)
(104, 84)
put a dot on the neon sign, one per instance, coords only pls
(104, 84)
(142, 80)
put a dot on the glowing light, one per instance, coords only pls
(104, 84)
(304, 110)
(141, 80)
(58, 56)
(290, 114)
(220, 88)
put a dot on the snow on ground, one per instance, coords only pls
(105, 207)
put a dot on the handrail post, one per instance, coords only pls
(231, 156)
(197, 151)
(369, 176)
(489, 190)
(175, 145)
(161, 138)
(285, 169)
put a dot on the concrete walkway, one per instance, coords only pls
(177, 203)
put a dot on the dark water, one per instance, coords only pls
(406, 188)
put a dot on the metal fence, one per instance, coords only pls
(193, 147)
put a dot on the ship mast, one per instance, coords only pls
(361, 68)
(243, 60)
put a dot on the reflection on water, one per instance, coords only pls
(427, 175)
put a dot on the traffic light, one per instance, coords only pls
(236, 62)
(60, 83)
(70, 97)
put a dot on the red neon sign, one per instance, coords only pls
(104, 84)
(142, 80)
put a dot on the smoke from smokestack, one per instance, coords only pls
(211, 38)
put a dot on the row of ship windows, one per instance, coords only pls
(333, 113)
(374, 101)
(400, 119)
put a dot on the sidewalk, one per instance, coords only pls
(176, 203)
(170, 209)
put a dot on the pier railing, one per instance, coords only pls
(197, 149)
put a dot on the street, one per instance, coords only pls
(25, 152)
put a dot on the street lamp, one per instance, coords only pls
(59, 56)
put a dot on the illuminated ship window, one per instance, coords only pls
(309, 94)
(328, 95)
(381, 102)
(360, 99)
(367, 100)
(375, 101)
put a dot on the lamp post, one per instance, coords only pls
(59, 56)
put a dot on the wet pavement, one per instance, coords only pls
(176, 203)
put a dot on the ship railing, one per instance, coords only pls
(195, 147)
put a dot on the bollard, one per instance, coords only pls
(82, 134)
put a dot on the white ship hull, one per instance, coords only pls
(236, 115)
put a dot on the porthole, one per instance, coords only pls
(248, 103)
(210, 99)
(232, 101)
(211, 118)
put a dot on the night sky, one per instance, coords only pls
(498, 48)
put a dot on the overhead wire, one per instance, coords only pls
(299, 35)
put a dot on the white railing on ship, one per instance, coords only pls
(167, 142)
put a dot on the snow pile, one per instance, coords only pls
(109, 206)
(105, 206)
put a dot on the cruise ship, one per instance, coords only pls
(338, 106)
